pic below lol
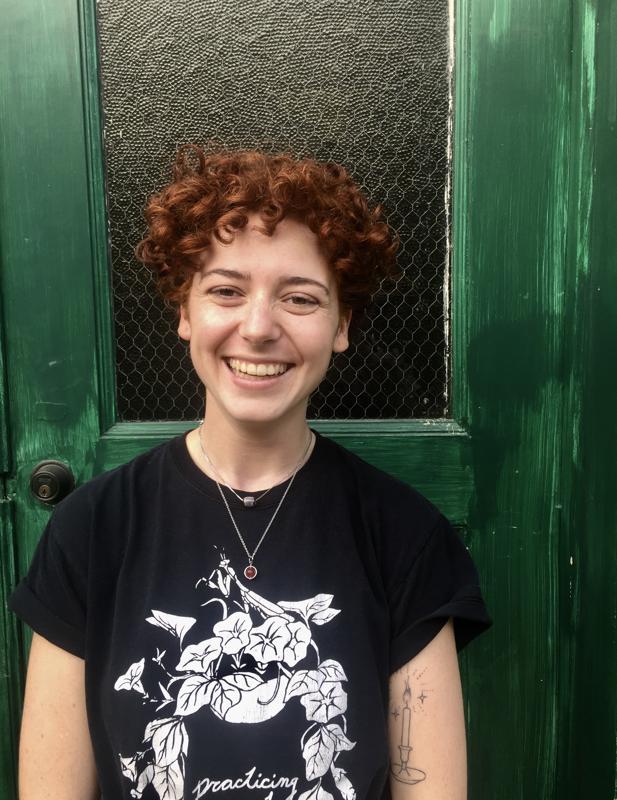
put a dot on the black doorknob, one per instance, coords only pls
(51, 481)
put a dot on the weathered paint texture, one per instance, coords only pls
(588, 579)
(534, 332)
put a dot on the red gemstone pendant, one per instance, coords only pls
(250, 572)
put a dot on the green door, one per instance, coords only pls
(522, 462)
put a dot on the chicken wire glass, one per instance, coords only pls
(363, 83)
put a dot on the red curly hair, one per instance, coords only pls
(212, 194)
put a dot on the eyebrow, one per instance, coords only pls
(287, 280)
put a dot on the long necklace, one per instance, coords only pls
(250, 571)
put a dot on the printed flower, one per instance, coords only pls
(132, 678)
(328, 702)
(172, 623)
(268, 641)
(234, 632)
(296, 649)
(199, 657)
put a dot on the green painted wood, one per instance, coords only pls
(47, 284)
(95, 181)
(10, 660)
(47, 277)
(512, 121)
(9, 633)
(588, 581)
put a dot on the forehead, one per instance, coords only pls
(291, 245)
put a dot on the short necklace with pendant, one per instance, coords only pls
(250, 571)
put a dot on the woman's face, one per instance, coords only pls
(263, 318)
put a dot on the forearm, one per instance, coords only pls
(55, 751)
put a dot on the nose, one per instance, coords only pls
(258, 323)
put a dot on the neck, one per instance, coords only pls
(249, 457)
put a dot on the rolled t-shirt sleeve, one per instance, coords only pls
(441, 582)
(51, 598)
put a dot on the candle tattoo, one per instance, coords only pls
(403, 771)
(406, 715)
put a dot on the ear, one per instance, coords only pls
(341, 340)
(184, 325)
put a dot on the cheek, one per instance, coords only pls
(210, 327)
(319, 344)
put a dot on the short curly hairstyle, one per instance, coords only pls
(211, 195)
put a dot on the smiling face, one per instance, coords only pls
(263, 319)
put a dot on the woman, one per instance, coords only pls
(249, 610)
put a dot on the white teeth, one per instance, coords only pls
(260, 370)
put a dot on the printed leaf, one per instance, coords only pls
(325, 704)
(131, 678)
(297, 646)
(179, 626)
(343, 784)
(316, 793)
(318, 752)
(341, 741)
(224, 697)
(234, 632)
(195, 692)
(332, 670)
(128, 767)
(169, 781)
(308, 607)
(169, 739)
(244, 681)
(302, 682)
(321, 617)
(199, 657)
(269, 640)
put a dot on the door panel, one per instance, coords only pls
(502, 466)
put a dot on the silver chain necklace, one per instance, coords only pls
(250, 571)
(248, 501)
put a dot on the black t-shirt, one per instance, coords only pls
(203, 684)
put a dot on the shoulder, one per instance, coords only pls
(99, 502)
(130, 474)
(400, 519)
(378, 487)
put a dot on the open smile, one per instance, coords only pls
(257, 370)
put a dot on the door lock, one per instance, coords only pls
(51, 481)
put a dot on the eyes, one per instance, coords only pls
(231, 296)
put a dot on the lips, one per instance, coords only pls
(260, 369)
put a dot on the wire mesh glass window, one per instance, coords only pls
(363, 83)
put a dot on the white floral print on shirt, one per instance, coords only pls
(258, 659)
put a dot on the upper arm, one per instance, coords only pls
(55, 751)
(426, 725)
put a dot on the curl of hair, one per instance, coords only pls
(212, 194)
